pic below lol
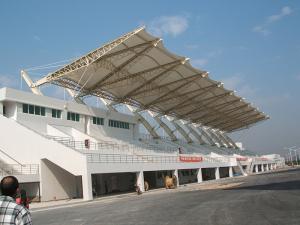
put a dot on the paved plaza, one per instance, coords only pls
(266, 199)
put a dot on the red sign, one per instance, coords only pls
(190, 158)
(241, 159)
(264, 159)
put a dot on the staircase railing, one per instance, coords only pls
(16, 169)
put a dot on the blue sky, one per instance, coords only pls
(252, 46)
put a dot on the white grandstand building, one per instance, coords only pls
(178, 124)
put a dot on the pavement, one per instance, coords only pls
(267, 199)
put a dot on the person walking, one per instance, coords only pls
(10, 212)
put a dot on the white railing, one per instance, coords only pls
(119, 158)
(110, 152)
(115, 158)
(106, 147)
(16, 169)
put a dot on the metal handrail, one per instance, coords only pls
(1, 150)
(118, 158)
(16, 169)
(98, 146)
(120, 152)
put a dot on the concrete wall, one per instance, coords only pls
(28, 147)
(56, 183)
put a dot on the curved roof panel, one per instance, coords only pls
(137, 69)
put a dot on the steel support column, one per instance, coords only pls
(182, 131)
(206, 135)
(195, 134)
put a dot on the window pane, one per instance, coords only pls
(43, 110)
(31, 109)
(25, 108)
(58, 113)
(77, 117)
(37, 110)
(102, 121)
(54, 113)
(73, 116)
(69, 116)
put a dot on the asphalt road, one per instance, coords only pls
(266, 199)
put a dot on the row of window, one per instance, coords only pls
(73, 116)
(34, 109)
(56, 113)
(40, 110)
(118, 124)
(98, 121)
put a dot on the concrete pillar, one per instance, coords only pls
(140, 180)
(272, 166)
(262, 168)
(87, 190)
(256, 168)
(217, 173)
(230, 171)
(268, 167)
(175, 173)
(199, 175)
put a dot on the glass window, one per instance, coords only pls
(54, 113)
(37, 110)
(58, 113)
(25, 108)
(43, 111)
(34, 109)
(73, 116)
(118, 124)
(31, 109)
(98, 120)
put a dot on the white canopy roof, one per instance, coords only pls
(136, 69)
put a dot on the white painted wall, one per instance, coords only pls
(28, 147)
(56, 183)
